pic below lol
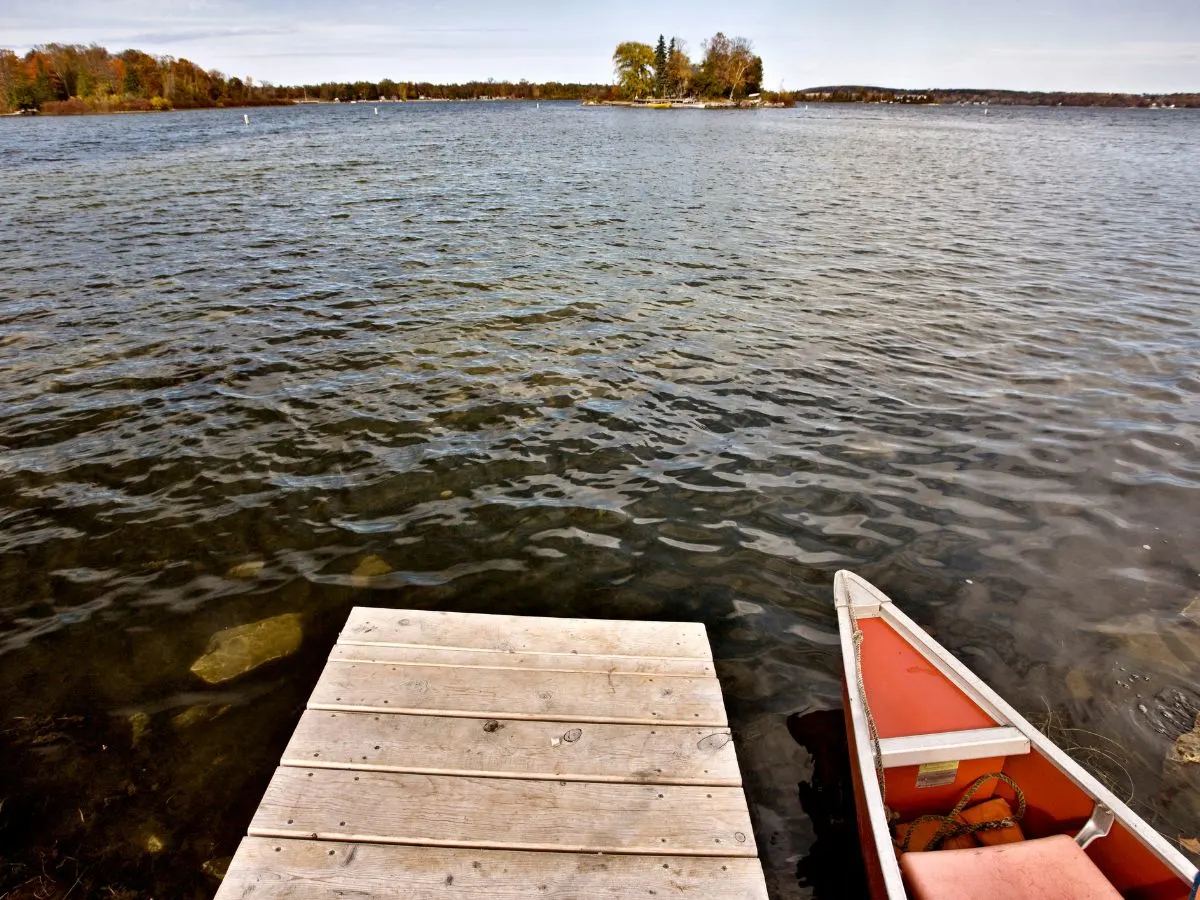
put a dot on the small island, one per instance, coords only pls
(664, 77)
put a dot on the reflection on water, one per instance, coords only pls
(833, 865)
(581, 362)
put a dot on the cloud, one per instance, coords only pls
(204, 34)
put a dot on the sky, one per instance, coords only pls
(1086, 45)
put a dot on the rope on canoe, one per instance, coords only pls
(871, 729)
(950, 826)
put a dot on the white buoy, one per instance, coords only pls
(377, 110)
(245, 118)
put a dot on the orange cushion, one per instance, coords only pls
(991, 811)
(1052, 868)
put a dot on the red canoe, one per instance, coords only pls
(938, 731)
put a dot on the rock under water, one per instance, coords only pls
(233, 652)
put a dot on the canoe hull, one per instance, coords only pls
(866, 839)
(940, 727)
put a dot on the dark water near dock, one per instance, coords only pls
(584, 362)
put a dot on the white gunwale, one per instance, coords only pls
(851, 593)
(865, 752)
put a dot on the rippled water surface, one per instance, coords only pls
(585, 362)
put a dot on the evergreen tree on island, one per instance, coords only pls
(660, 67)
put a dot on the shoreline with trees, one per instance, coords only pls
(74, 79)
(728, 71)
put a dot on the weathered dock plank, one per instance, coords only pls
(463, 755)
(274, 869)
(514, 748)
(399, 654)
(519, 634)
(521, 694)
(512, 813)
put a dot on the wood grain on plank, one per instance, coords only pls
(504, 813)
(278, 869)
(528, 634)
(520, 694)
(366, 651)
(646, 754)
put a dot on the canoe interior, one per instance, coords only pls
(908, 695)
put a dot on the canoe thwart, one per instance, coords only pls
(952, 746)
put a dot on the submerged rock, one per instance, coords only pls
(235, 651)
(1181, 772)
(1192, 610)
(139, 724)
(1148, 639)
(194, 715)
(216, 868)
(370, 567)
(250, 569)
(1187, 745)
(1079, 685)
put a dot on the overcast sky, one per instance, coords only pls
(1102, 45)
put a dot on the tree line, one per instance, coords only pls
(69, 78)
(74, 78)
(467, 90)
(728, 69)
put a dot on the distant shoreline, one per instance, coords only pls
(618, 104)
(73, 79)
(994, 97)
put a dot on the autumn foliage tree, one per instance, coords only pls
(79, 78)
(728, 70)
(679, 69)
(634, 64)
(727, 61)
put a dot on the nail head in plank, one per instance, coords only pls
(403, 654)
(282, 869)
(520, 694)
(500, 813)
(573, 751)
(525, 634)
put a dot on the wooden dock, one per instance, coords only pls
(455, 755)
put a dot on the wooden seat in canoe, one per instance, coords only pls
(1051, 868)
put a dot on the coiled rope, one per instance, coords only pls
(951, 827)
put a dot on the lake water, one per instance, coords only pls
(584, 362)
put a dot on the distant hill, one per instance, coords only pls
(860, 93)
